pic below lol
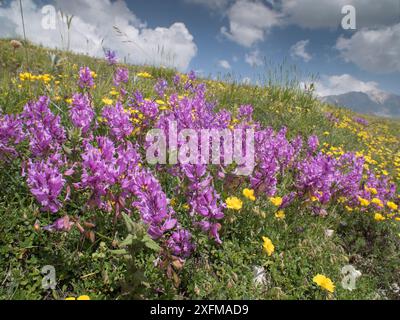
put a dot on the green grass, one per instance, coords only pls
(215, 272)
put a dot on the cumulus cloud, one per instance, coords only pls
(299, 50)
(327, 13)
(224, 64)
(92, 29)
(376, 50)
(253, 58)
(249, 22)
(339, 84)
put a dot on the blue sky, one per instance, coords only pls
(218, 37)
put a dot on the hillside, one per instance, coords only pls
(79, 195)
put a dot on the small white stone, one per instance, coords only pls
(329, 233)
(259, 275)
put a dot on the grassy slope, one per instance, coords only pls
(302, 249)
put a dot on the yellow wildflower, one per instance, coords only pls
(280, 215)
(377, 201)
(234, 203)
(324, 282)
(107, 101)
(363, 202)
(276, 201)
(392, 205)
(371, 190)
(144, 75)
(249, 194)
(379, 217)
(268, 246)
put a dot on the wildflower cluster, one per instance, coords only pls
(105, 171)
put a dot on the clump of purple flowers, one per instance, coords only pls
(85, 78)
(46, 134)
(160, 87)
(121, 75)
(81, 112)
(46, 182)
(99, 170)
(180, 243)
(11, 134)
(111, 57)
(361, 121)
(118, 120)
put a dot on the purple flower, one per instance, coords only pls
(121, 75)
(177, 79)
(180, 243)
(118, 120)
(313, 143)
(11, 134)
(152, 203)
(81, 112)
(99, 170)
(85, 78)
(204, 199)
(46, 183)
(111, 57)
(46, 133)
(61, 224)
(160, 87)
(245, 112)
(361, 121)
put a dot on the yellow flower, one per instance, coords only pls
(392, 205)
(326, 133)
(363, 202)
(379, 217)
(268, 246)
(83, 297)
(249, 194)
(234, 203)
(324, 282)
(377, 201)
(144, 75)
(276, 201)
(107, 101)
(371, 190)
(70, 298)
(280, 215)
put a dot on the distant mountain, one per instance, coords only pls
(378, 103)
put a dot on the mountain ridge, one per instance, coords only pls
(378, 103)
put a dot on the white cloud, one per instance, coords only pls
(224, 64)
(92, 29)
(253, 58)
(327, 13)
(299, 50)
(376, 50)
(339, 84)
(249, 22)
